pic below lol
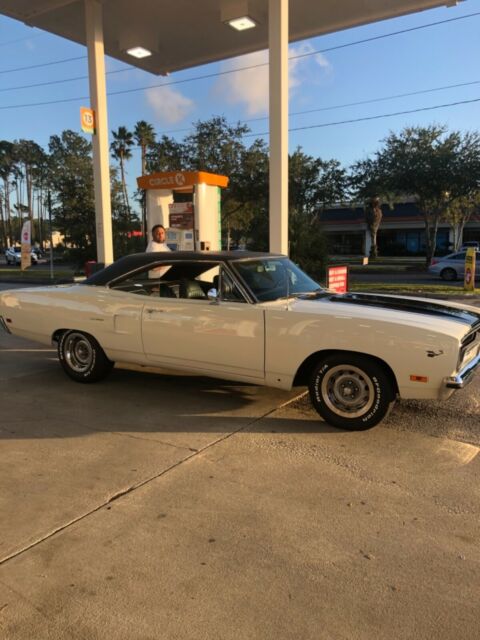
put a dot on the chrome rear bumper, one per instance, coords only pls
(464, 376)
(4, 325)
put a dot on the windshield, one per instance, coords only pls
(274, 278)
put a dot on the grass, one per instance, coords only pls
(439, 289)
(35, 274)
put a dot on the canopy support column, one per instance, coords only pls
(278, 101)
(98, 99)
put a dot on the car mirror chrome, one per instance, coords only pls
(212, 294)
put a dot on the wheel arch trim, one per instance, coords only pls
(306, 368)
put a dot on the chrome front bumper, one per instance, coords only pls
(464, 376)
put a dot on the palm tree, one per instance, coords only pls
(30, 156)
(120, 150)
(144, 137)
(373, 216)
(8, 169)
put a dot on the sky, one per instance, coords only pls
(321, 84)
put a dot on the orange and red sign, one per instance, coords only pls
(87, 119)
(180, 180)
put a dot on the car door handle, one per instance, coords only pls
(150, 311)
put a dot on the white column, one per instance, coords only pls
(98, 99)
(278, 84)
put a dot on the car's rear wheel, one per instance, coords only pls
(82, 358)
(351, 392)
(448, 274)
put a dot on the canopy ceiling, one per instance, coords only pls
(187, 33)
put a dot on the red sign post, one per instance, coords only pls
(337, 279)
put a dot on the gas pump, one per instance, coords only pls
(188, 205)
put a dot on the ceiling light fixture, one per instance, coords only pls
(138, 52)
(237, 14)
(242, 23)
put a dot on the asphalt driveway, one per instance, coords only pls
(156, 506)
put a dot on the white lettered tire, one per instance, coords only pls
(351, 391)
(82, 358)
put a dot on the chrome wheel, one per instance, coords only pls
(348, 391)
(351, 391)
(78, 352)
(81, 357)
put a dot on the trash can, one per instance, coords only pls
(89, 267)
(92, 266)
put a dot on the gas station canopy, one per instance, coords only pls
(162, 37)
(187, 33)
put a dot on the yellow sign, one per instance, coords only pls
(26, 246)
(87, 119)
(469, 279)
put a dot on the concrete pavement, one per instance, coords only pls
(156, 506)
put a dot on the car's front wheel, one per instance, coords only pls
(448, 274)
(82, 358)
(351, 392)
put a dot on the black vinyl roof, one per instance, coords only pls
(138, 260)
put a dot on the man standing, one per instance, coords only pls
(157, 243)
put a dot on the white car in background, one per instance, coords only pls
(13, 255)
(452, 267)
(255, 318)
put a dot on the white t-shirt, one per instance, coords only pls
(151, 248)
(156, 246)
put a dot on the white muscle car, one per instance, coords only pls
(257, 318)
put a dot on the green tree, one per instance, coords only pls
(245, 213)
(459, 212)
(144, 134)
(8, 170)
(165, 155)
(121, 150)
(314, 184)
(368, 185)
(30, 157)
(430, 163)
(71, 182)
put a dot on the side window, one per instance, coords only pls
(149, 282)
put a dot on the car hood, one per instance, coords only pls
(447, 317)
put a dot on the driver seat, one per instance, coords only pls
(191, 289)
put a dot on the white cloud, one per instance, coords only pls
(250, 88)
(169, 105)
(302, 69)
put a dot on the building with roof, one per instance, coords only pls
(401, 233)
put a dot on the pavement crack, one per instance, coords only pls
(140, 484)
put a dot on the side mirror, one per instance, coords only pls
(212, 294)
